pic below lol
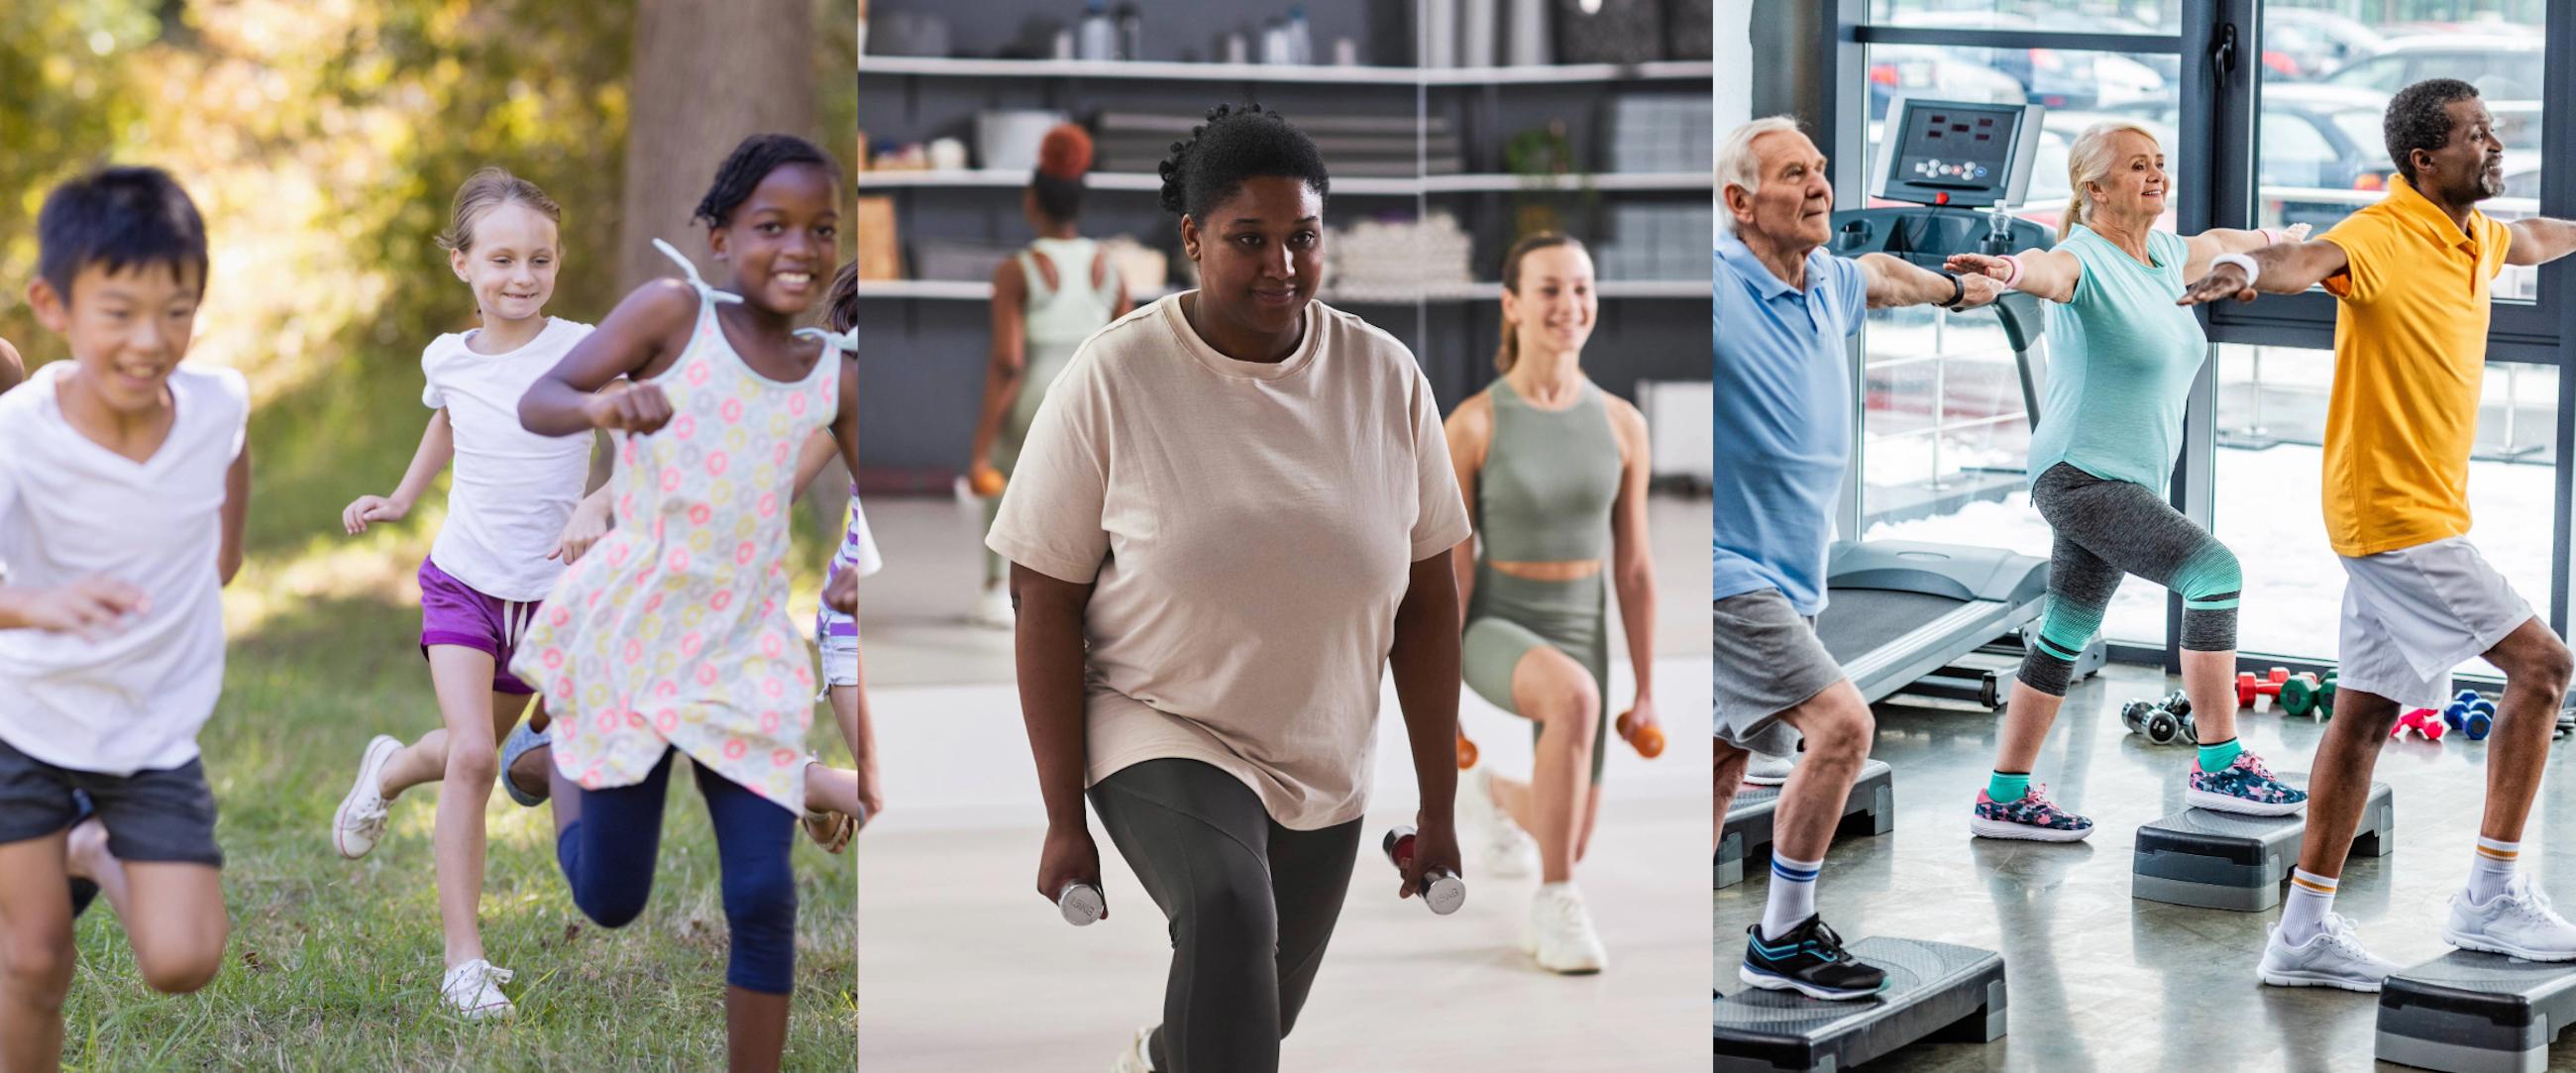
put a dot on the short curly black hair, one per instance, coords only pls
(2419, 117)
(1234, 145)
(751, 162)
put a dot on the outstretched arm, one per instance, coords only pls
(2540, 240)
(2223, 240)
(1893, 282)
(2286, 268)
(2049, 274)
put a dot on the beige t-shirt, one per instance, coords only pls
(1248, 529)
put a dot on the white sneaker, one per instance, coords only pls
(1560, 935)
(1133, 1059)
(1504, 851)
(361, 819)
(473, 990)
(2517, 922)
(1768, 770)
(993, 609)
(2333, 957)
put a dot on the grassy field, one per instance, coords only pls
(333, 964)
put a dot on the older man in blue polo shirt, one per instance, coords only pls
(1783, 310)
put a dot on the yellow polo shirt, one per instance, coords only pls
(2410, 347)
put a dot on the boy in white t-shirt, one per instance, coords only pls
(124, 484)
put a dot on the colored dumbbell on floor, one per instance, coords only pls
(2470, 714)
(2304, 694)
(2249, 688)
(2166, 721)
(2424, 721)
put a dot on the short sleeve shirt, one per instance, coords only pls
(2410, 350)
(1249, 530)
(1783, 423)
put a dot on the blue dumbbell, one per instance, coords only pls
(2471, 715)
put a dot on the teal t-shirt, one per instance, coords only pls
(2122, 357)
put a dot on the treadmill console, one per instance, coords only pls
(1957, 153)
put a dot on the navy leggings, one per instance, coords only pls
(608, 855)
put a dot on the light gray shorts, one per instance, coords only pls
(1768, 661)
(2411, 615)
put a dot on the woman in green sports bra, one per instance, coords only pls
(1555, 470)
(1046, 301)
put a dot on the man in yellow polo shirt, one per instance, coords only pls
(2413, 273)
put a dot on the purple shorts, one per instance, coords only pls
(452, 613)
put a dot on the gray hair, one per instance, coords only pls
(1739, 165)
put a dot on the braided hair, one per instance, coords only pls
(751, 162)
(1234, 145)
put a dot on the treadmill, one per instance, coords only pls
(1943, 620)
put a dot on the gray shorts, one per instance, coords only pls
(160, 814)
(1768, 661)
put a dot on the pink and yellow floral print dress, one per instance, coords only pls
(673, 632)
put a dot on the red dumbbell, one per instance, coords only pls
(2248, 687)
(1466, 752)
(2424, 721)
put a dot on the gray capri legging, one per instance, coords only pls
(1251, 905)
(2107, 529)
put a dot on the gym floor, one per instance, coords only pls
(2092, 973)
(964, 966)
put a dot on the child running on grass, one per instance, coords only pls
(124, 485)
(512, 521)
(672, 636)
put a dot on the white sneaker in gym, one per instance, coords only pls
(473, 990)
(2517, 922)
(1504, 851)
(993, 609)
(1768, 770)
(1562, 932)
(2333, 957)
(1134, 1059)
(361, 818)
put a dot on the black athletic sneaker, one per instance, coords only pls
(1810, 960)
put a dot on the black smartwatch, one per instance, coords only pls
(1958, 290)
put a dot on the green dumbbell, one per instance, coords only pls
(2302, 694)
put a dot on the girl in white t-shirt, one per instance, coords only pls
(515, 515)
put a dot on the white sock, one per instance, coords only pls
(2310, 896)
(2492, 869)
(1793, 895)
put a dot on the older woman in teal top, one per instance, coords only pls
(2122, 359)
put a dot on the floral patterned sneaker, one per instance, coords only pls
(2246, 787)
(2032, 817)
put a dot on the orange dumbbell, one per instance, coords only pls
(1466, 752)
(985, 481)
(1647, 738)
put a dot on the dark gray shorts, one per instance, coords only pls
(164, 814)
(1768, 661)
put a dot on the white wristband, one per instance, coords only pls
(2252, 273)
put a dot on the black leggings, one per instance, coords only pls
(1251, 905)
(2106, 529)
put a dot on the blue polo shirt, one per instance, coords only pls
(1783, 419)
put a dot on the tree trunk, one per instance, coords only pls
(709, 73)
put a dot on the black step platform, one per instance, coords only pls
(1935, 991)
(2221, 860)
(2469, 1012)
(1870, 810)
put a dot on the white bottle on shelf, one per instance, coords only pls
(1528, 36)
(1099, 36)
(1301, 42)
(1476, 33)
(1439, 33)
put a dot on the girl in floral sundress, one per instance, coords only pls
(672, 636)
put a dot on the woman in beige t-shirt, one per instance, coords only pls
(1234, 511)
